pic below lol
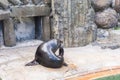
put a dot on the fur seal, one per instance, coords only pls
(45, 54)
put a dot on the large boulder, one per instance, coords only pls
(14, 2)
(116, 5)
(4, 4)
(106, 19)
(101, 4)
(24, 2)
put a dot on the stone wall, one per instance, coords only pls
(22, 20)
(73, 22)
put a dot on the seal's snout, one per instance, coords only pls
(61, 51)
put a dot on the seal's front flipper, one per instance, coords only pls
(65, 64)
(34, 62)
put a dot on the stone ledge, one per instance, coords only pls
(4, 14)
(48, 1)
(30, 11)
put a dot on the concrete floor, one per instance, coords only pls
(81, 60)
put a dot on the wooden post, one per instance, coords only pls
(9, 33)
(46, 28)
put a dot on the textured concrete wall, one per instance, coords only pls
(73, 22)
(25, 29)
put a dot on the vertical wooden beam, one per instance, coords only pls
(9, 33)
(46, 28)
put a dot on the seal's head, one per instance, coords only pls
(59, 43)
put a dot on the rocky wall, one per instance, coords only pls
(73, 22)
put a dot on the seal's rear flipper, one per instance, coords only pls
(65, 64)
(34, 62)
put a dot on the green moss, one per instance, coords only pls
(117, 28)
(113, 77)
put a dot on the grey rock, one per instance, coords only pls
(14, 2)
(4, 4)
(101, 4)
(24, 2)
(116, 5)
(37, 1)
(106, 19)
(4, 14)
(102, 34)
(47, 1)
(111, 46)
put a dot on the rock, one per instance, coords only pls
(29, 11)
(116, 5)
(9, 34)
(4, 4)
(111, 46)
(14, 2)
(37, 1)
(101, 4)
(106, 19)
(47, 1)
(4, 14)
(24, 2)
(102, 34)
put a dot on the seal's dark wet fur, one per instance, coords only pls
(45, 54)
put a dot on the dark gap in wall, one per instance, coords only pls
(38, 27)
(1, 33)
